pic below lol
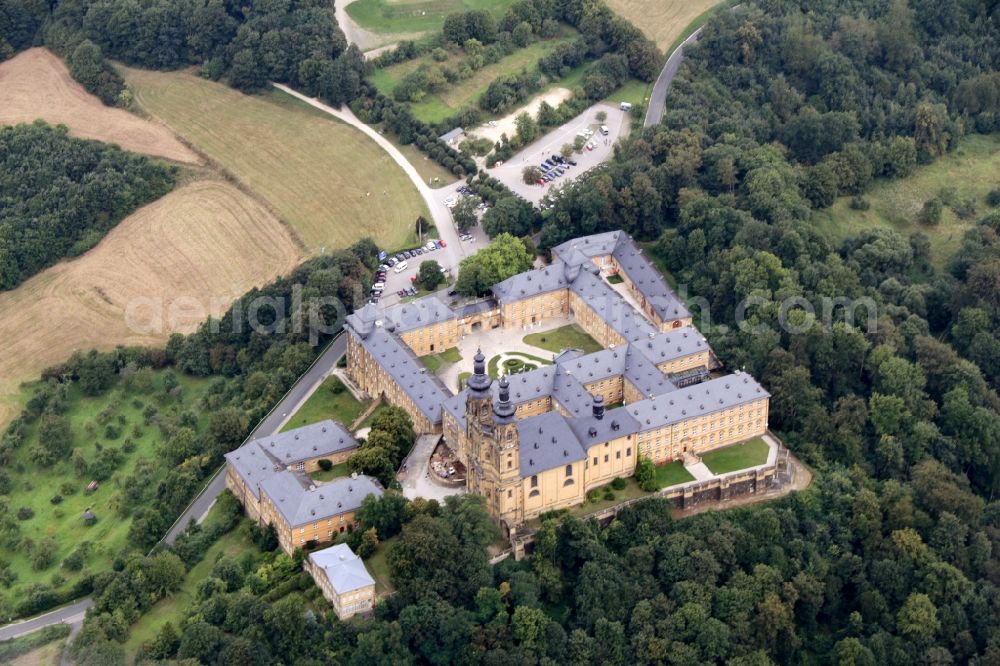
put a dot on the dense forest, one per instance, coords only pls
(250, 43)
(890, 557)
(59, 195)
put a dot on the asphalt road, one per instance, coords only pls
(65, 615)
(271, 424)
(658, 98)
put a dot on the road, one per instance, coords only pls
(658, 98)
(198, 509)
(269, 425)
(66, 615)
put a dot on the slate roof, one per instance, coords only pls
(547, 441)
(532, 283)
(312, 441)
(299, 505)
(406, 370)
(416, 314)
(345, 570)
(633, 262)
(590, 430)
(698, 400)
(252, 464)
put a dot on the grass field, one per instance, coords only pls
(36, 84)
(435, 107)
(665, 21)
(565, 337)
(335, 472)
(409, 16)
(671, 474)
(202, 243)
(331, 183)
(331, 400)
(378, 566)
(33, 487)
(173, 608)
(973, 169)
(737, 456)
(35, 649)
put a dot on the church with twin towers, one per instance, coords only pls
(539, 440)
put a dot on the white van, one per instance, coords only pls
(400, 267)
(604, 130)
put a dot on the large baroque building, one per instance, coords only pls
(270, 477)
(539, 440)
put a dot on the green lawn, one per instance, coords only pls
(737, 456)
(634, 91)
(673, 473)
(410, 16)
(331, 400)
(525, 363)
(615, 279)
(378, 566)
(336, 472)
(629, 492)
(566, 337)
(32, 487)
(435, 361)
(173, 608)
(971, 169)
(435, 107)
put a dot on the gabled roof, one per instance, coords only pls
(633, 262)
(252, 464)
(698, 400)
(345, 570)
(532, 283)
(407, 371)
(547, 442)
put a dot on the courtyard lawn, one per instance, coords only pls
(435, 361)
(673, 473)
(737, 456)
(566, 337)
(332, 400)
(615, 279)
(514, 363)
(631, 491)
(335, 472)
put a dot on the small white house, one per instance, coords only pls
(344, 580)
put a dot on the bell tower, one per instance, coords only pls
(507, 459)
(479, 427)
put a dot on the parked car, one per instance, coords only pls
(452, 292)
(402, 266)
(571, 162)
(401, 293)
(466, 237)
(443, 244)
(431, 245)
(412, 291)
(604, 130)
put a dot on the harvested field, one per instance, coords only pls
(329, 181)
(188, 254)
(663, 21)
(36, 84)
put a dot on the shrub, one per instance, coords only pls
(67, 488)
(56, 499)
(112, 431)
(931, 212)
(325, 465)
(859, 203)
(25, 513)
(128, 446)
(609, 494)
(594, 495)
(618, 483)
(993, 198)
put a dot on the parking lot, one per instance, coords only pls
(449, 256)
(510, 173)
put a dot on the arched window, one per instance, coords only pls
(568, 482)
(569, 470)
(533, 493)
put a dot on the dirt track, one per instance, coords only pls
(36, 84)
